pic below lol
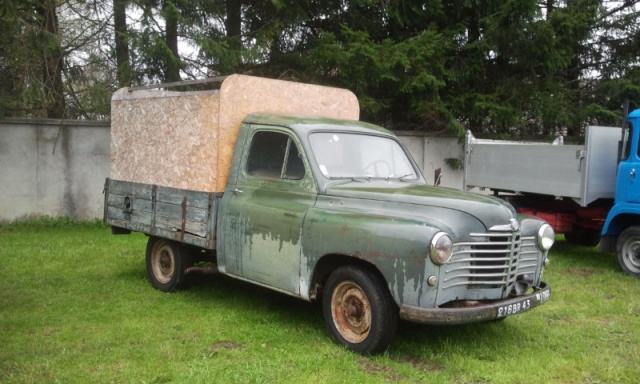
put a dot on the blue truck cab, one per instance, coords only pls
(621, 231)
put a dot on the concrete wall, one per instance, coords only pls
(430, 154)
(54, 168)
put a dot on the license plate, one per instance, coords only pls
(513, 308)
(523, 305)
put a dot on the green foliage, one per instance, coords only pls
(23, 42)
(396, 82)
(493, 66)
(454, 163)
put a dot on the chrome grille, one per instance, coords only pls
(493, 260)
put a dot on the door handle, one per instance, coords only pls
(632, 174)
(236, 191)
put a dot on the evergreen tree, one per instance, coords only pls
(493, 66)
(32, 59)
(121, 39)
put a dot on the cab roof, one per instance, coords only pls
(311, 123)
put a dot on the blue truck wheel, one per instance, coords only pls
(628, 249)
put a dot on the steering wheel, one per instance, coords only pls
(375, 167)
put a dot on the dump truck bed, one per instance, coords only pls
(584, 173)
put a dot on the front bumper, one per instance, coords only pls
(478, 311)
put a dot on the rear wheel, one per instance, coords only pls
(166, 264)
(359, 311)
(628, 249)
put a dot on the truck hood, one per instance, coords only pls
(487, 210)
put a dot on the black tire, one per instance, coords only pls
(628, 250)
(359, 311)
(583, 237)
(166, 264)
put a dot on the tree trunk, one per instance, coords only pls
(52, 59)
(171, 38)
(233, 26)
(122, 45)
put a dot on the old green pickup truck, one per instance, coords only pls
(336, 210)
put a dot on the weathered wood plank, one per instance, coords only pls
(176, 196)
(136, 202)
(119, 187)
(175, 211)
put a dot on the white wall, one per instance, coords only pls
(53, 169)
(430, 154)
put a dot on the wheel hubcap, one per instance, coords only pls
(631, 255)
(351, 311)
(163, 264)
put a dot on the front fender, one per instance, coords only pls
(397, 248)
(396, 245)
(620, 217)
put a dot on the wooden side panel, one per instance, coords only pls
(129, 205)
(181, 215)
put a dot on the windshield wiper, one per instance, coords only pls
(402, 178)
(347, 179)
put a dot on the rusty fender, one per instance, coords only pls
(397, 248)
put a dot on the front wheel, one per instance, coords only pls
(167, 262)
(628, 249)
(359, 311)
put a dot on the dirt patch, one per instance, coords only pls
(583, 272)
(423, 365)
(229, 345)
(605, 321)
(389, 374)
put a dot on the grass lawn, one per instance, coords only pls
(75, 307)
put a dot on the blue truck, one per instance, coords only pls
(587, 192)
(621, 230)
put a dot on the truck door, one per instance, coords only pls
(628, 181)
(265, 210)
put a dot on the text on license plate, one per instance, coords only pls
(512, 309)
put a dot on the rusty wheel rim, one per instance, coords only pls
(351, 311)
(163, 262)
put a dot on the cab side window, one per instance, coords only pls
(274, 155)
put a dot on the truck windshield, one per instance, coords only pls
(349, 155)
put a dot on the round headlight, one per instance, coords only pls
(546, 237)
(441, 248)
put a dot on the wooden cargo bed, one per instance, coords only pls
(177, 214)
